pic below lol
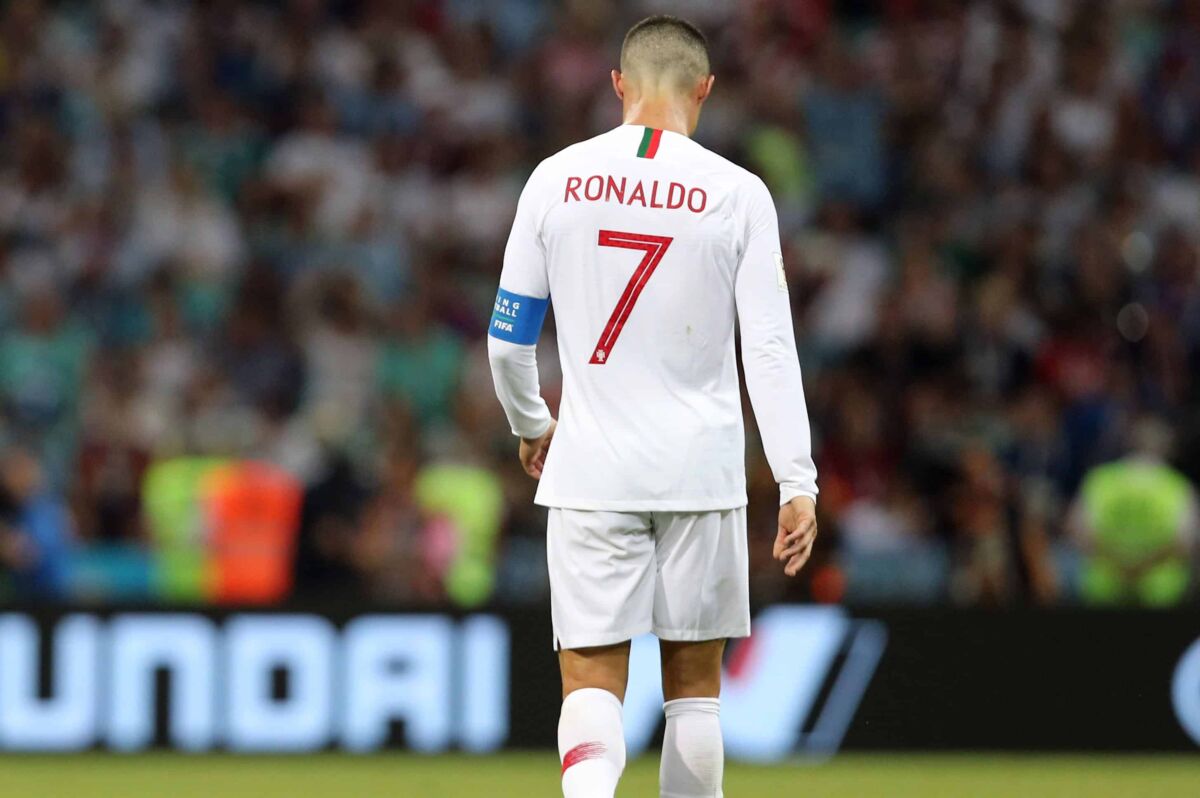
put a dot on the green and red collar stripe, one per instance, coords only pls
(649, 145)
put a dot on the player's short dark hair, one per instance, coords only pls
(666, 46)
(666, 22)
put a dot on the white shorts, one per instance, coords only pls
(615, 576)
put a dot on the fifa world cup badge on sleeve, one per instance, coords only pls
(516, 318)
(780, 274)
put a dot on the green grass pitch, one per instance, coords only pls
(532, 775)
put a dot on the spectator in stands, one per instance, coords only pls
(35, 529)
(272, 231)
(43, 364)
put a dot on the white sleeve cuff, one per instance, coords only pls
(536, 429)
(788, 492)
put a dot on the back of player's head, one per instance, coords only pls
(665, 53)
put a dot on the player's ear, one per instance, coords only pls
(618, 84)
(705, 89)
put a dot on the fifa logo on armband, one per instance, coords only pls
(517, 318)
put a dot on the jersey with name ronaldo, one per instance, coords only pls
(639, 236)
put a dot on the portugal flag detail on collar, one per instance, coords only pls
(649, 145)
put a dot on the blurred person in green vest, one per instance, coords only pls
(472, 499)
(1135, 520)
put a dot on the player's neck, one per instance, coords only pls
(657, 113)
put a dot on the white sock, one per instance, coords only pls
(693, 755)
(591, 743)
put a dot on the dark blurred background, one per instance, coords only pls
(248, 252)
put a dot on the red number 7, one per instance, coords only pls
(654, 247)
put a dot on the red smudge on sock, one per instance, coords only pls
(581, 752)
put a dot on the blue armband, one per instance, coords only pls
(517, 319)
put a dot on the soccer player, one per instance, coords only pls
(651, 246)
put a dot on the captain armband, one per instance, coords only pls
(517, 319)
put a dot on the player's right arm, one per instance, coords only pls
(516, 324)
(773, 377)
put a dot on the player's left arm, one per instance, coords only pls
(514, 329)
(773, 378)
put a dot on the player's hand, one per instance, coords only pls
(797, 533)
(533, 451)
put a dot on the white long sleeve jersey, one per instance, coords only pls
(651, 247)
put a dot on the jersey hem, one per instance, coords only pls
(658, 505)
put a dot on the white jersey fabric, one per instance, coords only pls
(651, 247)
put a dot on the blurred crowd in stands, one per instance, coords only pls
(271, 232)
